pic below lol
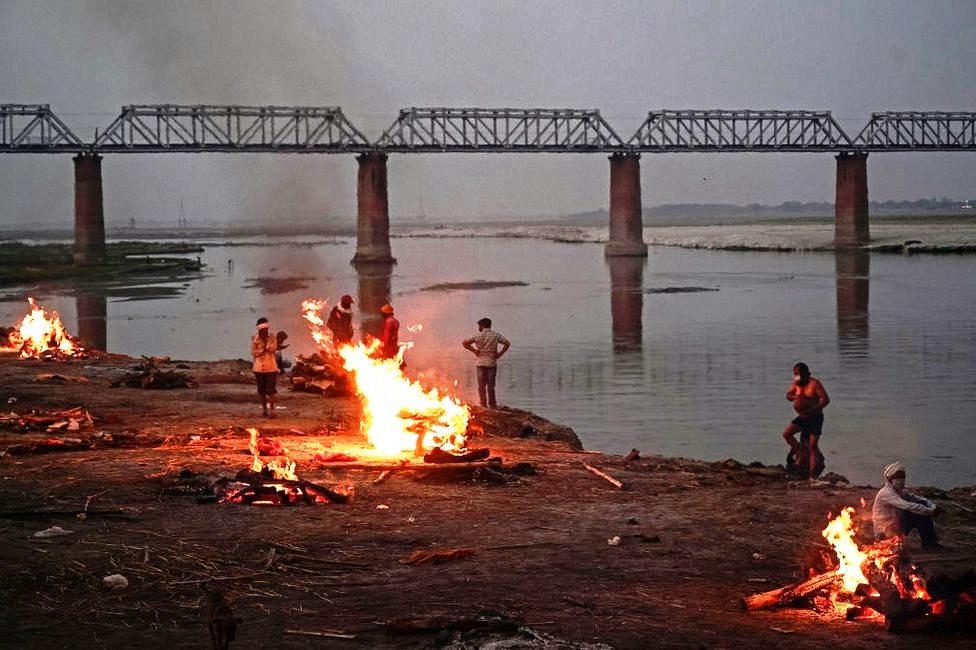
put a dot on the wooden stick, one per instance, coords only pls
(604, 476)
(332, 634)
(784, 595)
(385, 474)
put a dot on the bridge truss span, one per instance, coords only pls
(34, 128)
(919, 131)
(190, 129)
(421, 130)
(739, 131)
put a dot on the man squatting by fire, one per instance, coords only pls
(484, 345)
(809, 398)
(263, 348)
(896, 511)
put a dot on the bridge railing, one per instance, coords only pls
(739, 130)
(202, 128)
(919, 131)
(34, 128)
(567, 130)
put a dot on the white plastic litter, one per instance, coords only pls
(115, 581)
(53, 531)
(382, 506)
(614, 541)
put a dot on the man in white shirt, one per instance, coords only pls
(897, 511)
(263, 348)
(484, 345)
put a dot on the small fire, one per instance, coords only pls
(399, 414)
(281, 469)
(41, 332)
(853, 562)
(840, 534)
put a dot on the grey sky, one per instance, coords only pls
(88, 58)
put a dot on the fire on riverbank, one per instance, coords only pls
(40, 335)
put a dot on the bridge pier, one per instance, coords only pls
(626, 218)
(373, 211)
(89, 215)
(851, 228)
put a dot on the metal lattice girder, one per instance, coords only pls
(33, 128)
(919, 130)
(500, 129)
(744, 130)
(294, 129)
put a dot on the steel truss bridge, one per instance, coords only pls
(159, 128)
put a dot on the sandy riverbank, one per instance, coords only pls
(695, 536)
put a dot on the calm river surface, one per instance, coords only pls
(697, 374)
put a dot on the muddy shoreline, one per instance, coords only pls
(695, 536)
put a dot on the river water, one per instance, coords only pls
(597, 345)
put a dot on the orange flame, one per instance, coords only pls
(281, 469)
(399, 414)
(840, 534)
(40, 332)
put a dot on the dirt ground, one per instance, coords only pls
(694, 536)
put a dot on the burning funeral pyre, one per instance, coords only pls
(877, 581)
(399, 414)
(40, 335)
(274, 483)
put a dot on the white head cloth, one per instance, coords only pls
(893, 469)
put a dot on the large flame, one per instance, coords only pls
(41, 332)
(840, 534)
(399, 414)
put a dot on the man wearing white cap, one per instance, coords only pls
(263, 348)
(897, 511)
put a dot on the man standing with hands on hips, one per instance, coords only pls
(484, 345)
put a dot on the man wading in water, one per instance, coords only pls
(263, 348)
(809, 399)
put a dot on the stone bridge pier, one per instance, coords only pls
(89, 215)
(372, 211)
(851, 229)
(626, 218)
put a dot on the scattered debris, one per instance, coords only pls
(438, 455)
(617, 484)
(116, 582)
(614, 541)
(148, 376)
(53, 531)
(438, 557)
(72, 419)
(632, 455)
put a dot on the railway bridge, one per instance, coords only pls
(168, 128)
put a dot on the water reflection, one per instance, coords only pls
(92, 323)
(626, 302)
(374, 292)
(853, 270)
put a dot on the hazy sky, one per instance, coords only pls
(88, 58)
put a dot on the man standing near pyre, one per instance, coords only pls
(389, 333)
(340, 321)
(263, 348)
(484, 345)
(809, 398)
(897, 511)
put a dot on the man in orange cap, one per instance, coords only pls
(340, 321)
(389, 333)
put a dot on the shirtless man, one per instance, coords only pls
(809, 399)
